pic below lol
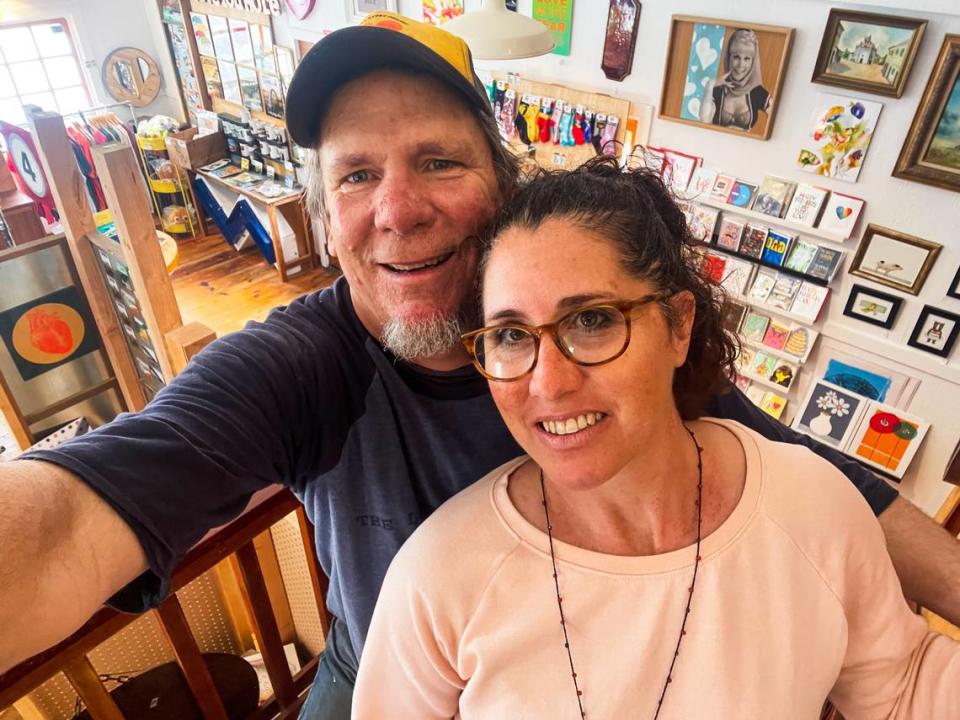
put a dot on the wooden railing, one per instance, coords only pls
(235, 539)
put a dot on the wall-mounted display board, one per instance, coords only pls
(53, 367)
(182, 46)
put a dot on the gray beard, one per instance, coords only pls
(414, 340)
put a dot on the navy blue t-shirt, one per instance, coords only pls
(370, 444)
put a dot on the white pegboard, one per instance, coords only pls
(296, 580)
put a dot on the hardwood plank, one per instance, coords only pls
(265, 626)
(126, 194)
(86, 682)
(195, 670)
(70, 195)
(109, 384)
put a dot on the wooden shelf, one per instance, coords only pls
(770, 220)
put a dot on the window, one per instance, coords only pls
(39, 66)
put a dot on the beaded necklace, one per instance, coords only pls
(686, 612)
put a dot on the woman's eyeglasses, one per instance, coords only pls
(591, 335)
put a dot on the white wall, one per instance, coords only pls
(99, 27)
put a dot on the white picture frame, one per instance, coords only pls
(357, 10)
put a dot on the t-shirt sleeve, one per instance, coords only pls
(894, 668)
(734, 405)
(239, 418)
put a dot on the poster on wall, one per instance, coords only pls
(48, 332)
(263, 48)
(272, 95)
(841, 129)
(211, 77)
(201, 31)
(557, 15)
(230, 82)
(220, 34)
(437, 12)
(250, 88)
(242, 44)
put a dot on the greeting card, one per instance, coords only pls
(774, 196)
(806, 205)
(730, 233)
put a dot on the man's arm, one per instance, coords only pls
(63, 552)
(926, 556)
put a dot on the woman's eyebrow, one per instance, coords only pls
(571, 302)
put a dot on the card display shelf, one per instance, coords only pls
(764, 308)
(752, 344)
(822, 282)
(769, 384)
(836, 238)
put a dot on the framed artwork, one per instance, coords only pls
(935, 332)
(830, 413)
(47, 332)
(229, 82)
(358, 9)
(437, 12)
(857, 379)
(868, 52)
(272, 95)
(872, 306)
(841, 129)
(724, 75)
(887, 438)
(623, 19)
(285, 65)
(249, 88)
(931, 151)
(954, 289)
(894, 259)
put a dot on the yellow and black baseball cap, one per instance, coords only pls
(382, 40)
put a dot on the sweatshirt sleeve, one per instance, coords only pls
(407, 670)
(894, 667)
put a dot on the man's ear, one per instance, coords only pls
(331, 244)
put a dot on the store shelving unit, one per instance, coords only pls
(166, 192)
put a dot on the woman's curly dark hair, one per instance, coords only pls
(636, 212)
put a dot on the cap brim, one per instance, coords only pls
(348, 53)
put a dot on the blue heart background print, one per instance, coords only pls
(706, 48)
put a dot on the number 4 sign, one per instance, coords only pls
(26, 162)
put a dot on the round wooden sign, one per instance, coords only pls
(130, 75)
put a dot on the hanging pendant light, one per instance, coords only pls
(495, 33)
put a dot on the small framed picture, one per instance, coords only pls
(872, 306)
(936, 331)
(868, 52)
(894, 259)
(954, 289)
(830, 413)
(358, 9)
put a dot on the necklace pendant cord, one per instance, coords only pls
(689, 600)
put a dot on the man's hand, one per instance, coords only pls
(927, 559)
(63, 552)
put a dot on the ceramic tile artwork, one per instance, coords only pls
(839, 136)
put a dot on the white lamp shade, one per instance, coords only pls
(495, 33)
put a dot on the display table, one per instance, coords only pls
(292, 209)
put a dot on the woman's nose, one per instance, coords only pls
(555, 374)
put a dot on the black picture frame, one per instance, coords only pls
(954, 289)
(927, 311)
(857, 290)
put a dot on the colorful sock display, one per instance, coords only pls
(588, 126)
(609, 136)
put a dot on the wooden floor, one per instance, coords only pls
(224, 289)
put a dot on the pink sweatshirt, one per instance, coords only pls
(797, 600)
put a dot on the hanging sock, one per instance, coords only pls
(530, 115)
(607, 141)
(543, 119)
(599, 126)
(521, 120)
(588, 126)
(566, 126)
(507, 114)
(555, 122)
(577, 129)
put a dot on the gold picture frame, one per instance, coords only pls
(889, 38)
(701, 86)
(894, 258)
(929, 154)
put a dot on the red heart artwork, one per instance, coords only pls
(48, 332)
(300, 8)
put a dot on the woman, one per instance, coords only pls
(641, 562)
(736, 99)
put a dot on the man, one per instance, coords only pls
(360, 397)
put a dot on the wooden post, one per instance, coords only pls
(273, 578)
(318, 579)
(186, 341)
(265, 626)
(86, 682)
(123, 186)
(70, 195)
(195, 670)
